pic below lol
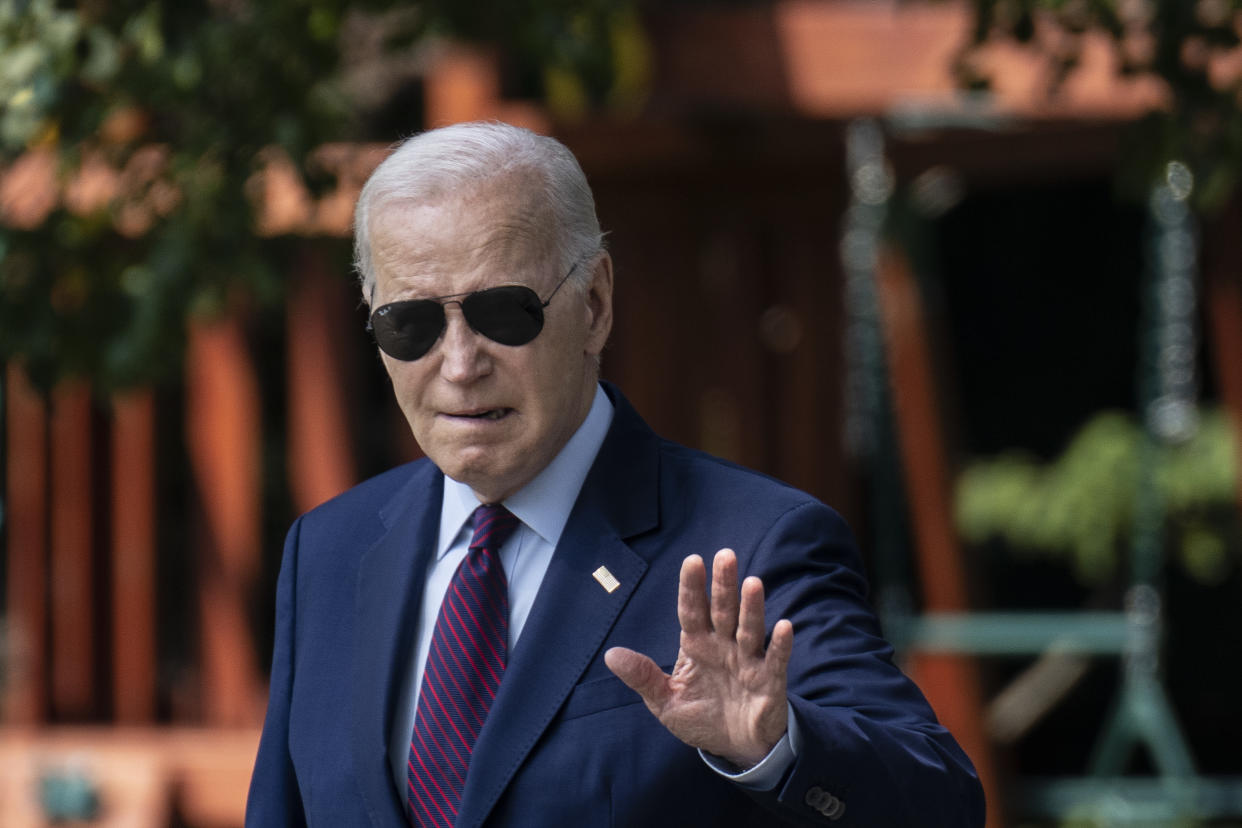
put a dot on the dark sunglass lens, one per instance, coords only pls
(510, 315)
(407, 330)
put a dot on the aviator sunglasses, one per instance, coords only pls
(509, 314)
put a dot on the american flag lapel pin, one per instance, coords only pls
(606, 579)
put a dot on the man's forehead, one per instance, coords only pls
(460, 244)
(473, 219)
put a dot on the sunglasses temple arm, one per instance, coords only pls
(556, 289)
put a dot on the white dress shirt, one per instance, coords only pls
(543, 506)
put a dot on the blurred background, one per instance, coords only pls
(970, 271)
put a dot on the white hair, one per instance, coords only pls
(432, 164)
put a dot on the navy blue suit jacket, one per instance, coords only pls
(566, 743)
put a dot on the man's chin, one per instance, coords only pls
(491, 482)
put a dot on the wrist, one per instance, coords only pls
(751, 755)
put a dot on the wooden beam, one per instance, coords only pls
(25, 686)
(73, 590)
(321, 464)
(223, 437)
(943, 573)
(951, 682)
(133, 558)
(841, 60)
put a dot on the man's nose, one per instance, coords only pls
(462, 357)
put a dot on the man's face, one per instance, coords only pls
(489, 415)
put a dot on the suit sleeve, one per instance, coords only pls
(871, 751)
(274, 798)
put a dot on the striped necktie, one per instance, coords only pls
(464, 667)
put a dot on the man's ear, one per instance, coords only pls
(599, 305)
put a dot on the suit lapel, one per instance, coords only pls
(572, 613)
(389, 592)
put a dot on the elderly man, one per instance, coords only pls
(519, 630)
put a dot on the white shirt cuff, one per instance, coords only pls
(768, 773)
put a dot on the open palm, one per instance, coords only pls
(726, 694)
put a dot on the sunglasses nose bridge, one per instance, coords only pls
(461, 344)
(459, 312)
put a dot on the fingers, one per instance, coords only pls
(724, 593)
(640, 674)
(726, 615)
(750, 620)
(780, 648)
(692, 597)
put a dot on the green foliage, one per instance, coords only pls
(181, 98)
(1080, 507)
(1183, 44)
(181, 102)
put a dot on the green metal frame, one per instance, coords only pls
(1142, 715)
(1011, 633)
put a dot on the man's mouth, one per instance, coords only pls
(484, 414)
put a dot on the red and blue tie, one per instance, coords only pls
(464, 666)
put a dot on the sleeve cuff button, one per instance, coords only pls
(824, 802)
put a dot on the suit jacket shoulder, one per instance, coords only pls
(376, 498)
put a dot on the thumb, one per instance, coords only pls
(640, 674)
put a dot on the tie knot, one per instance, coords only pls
(493, 524)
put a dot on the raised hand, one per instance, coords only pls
(726, 695)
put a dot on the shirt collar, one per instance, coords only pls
(545, 502)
